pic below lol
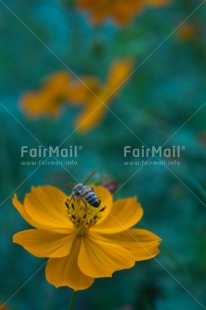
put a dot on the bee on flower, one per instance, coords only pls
(83, 243)
(84, 192)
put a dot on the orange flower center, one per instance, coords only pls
(82, 215)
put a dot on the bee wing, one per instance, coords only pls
(69, 185)
(89, 177)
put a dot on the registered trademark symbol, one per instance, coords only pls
(80, 147)
(183, 148)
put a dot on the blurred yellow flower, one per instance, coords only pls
(49, 99)
(187, 32)
(83, 243)
(97, 106)
(59, 89)
(120, 10)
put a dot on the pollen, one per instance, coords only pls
(82, 215)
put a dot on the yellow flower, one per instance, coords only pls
(60, 88)
(49, 99)
(83, 243)
(120, 10)
(97, 106)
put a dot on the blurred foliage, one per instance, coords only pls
(168, 87)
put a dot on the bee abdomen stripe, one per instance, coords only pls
(92, 200)
(88, 194)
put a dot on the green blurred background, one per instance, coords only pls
(162, 95)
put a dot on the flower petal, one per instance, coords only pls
(119, 71)
(42, 243)
(82, 92)
(45, 205)
(57, 83)
(91, 116)
(100, 259)
(124, 214)
(123, 13)
(65, 271)
(142, 243)
(28, 103)
(157, 2)
(20, 207)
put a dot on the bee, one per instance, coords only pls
(84, 192)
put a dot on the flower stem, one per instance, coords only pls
(72, 300)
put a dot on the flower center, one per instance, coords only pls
(82, 215)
